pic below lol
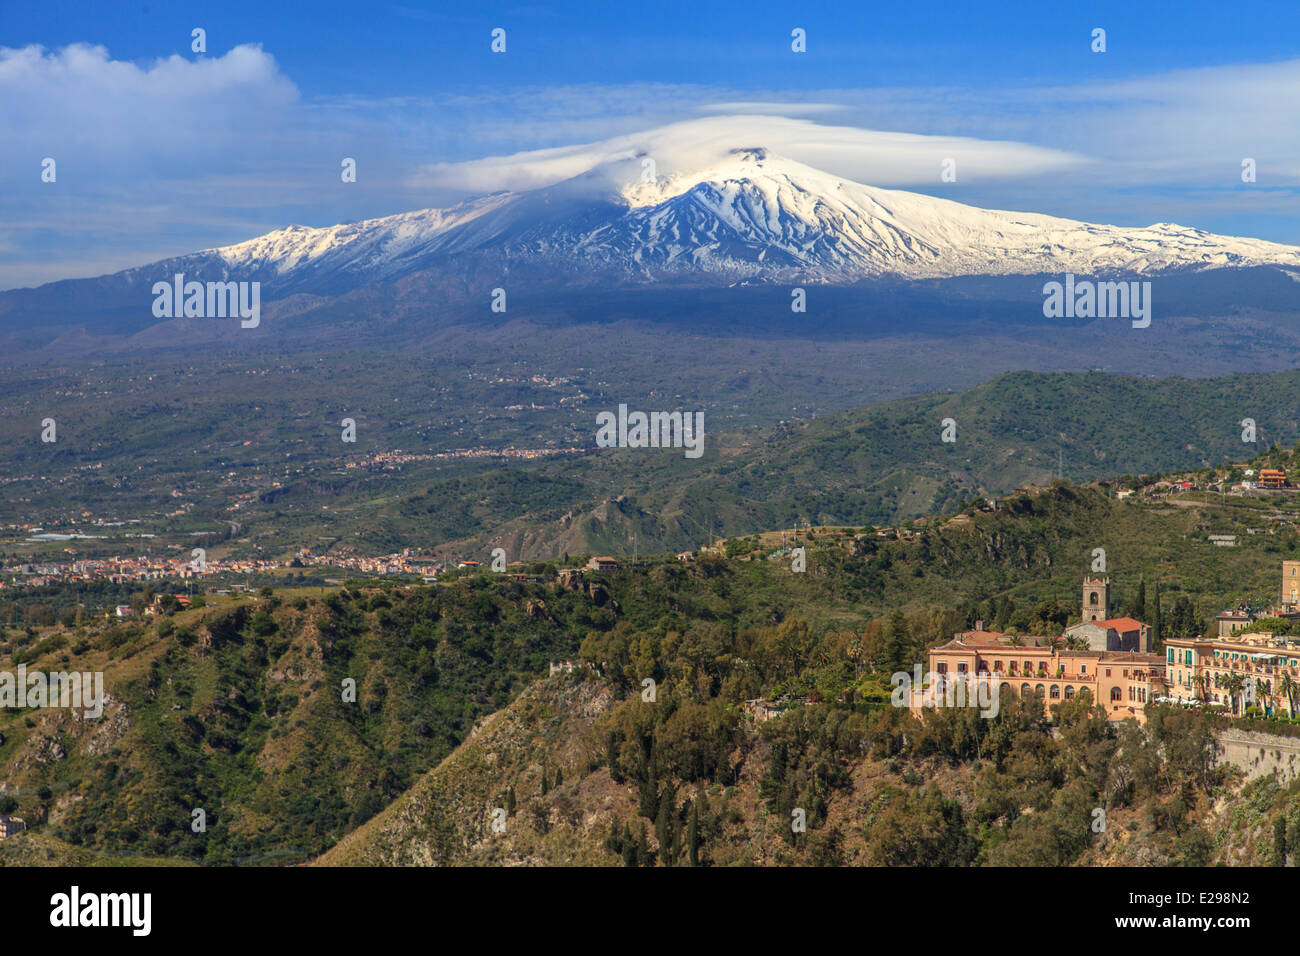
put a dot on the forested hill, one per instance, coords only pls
(237, 707)
(874, 465)
(279, 471)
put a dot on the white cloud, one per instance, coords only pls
(870, 156)
(78, 105)
(184, 153)
(175, 153)
(1187, 126)
(774, 107)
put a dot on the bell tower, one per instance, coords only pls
(1096, 600)
(1290, 584)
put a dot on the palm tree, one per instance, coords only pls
(1202, 684)
(1270, 697)
(1234, 683)
(1220, 681)
(855, 648)
(1289, 687)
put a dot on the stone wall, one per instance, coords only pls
(1259, 754)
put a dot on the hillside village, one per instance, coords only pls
(129, 568)
(1246, 664)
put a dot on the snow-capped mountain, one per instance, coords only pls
(752, 215)
(756, 208)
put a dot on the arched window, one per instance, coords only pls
(1116, 694)
(1056, 692)
(1092, 598)
(1069, 691)
(1024, 690)
(1039, 690)
(1004, 686)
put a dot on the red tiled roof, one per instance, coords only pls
(1123, 624)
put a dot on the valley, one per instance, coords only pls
(516, 462)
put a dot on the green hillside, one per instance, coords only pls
(237, 707)
(265, 479)
(878, 464)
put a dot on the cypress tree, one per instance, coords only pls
(630, 853)
(611, 757)
(1156, 637)
(661, 828)
(643, 855)
(612, 841)
(897, 651)
(693, 836)
(666, 826)
(1007, 609)
(649, 798)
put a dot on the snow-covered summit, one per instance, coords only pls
(750, 215)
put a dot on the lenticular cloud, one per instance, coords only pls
(874, 156)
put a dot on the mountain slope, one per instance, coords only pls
(446, 816)
(236, 708)
(754, 215)
(751, 217)
(877, 464)
(765, 215)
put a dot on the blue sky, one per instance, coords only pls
(161, 151)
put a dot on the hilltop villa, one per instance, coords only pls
(1117, 668)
